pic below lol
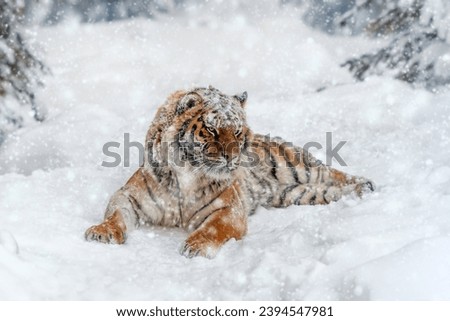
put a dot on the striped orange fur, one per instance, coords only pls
(206, 171)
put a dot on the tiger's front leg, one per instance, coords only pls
(112, 230)
(221, 226)
(134, 203)
(120, 218)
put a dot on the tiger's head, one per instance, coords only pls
(211, 131)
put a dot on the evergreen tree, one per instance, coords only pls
(92, 11)
(19, 72)
(419, 47)
(417, 34)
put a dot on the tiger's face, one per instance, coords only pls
(214, 132)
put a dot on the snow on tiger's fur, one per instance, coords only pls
(206, 171)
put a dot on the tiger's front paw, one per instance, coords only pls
(199, 245)
(105, 233)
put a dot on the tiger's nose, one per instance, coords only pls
(232, 162)
(229, 157)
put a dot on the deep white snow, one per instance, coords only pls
(108, 79)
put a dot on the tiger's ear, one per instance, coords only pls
(242, 98)
(189, 101)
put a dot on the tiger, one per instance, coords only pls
(205, 171)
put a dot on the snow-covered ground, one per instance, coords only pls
(108, 79)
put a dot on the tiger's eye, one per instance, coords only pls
(211, 130)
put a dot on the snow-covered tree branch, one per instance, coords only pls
(419, 48)
(416, 34)
(20, 72)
